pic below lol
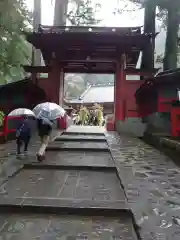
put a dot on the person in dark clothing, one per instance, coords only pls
(23, 135)
(44, 130)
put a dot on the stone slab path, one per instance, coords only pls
(78, 188)
(115, 188)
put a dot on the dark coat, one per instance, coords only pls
(43, 129)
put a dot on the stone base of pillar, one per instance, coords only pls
(131, 126)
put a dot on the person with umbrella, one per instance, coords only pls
(44, 126)
(46, 113)
(23, 135)
(23, 130)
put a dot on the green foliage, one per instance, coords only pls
(14, 50)
(83, 13)
(2, 115)
(163, 7)
(169, 14)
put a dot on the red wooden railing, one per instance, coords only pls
(6, 130)
(63, 123)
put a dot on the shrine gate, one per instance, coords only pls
(93, 50)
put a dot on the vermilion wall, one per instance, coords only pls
(147, 103)
(127, 117)
(166, 94)
(53, 85)
(130, 87)
(155, 107)
(157, 99)
(44, 84)
(125, 100)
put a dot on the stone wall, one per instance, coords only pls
(155, 123)
(159, 122)
(131, 126)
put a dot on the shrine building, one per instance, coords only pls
(96, 93)
(158, 102)
(94, 50)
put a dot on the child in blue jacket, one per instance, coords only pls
(23, 135)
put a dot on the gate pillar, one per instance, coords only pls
(61, 90)
(119, 91)
(54, 82)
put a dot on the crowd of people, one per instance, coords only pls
(92, 116)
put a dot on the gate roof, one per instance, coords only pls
(82, 48)
(100, 93)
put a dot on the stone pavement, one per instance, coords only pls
(9, 164)
(152, 186)
(78, 188)
(87, 194)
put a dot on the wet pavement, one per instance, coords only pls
(77, 158)
(63, 187)
(49, 227)
(78, 146)
(152, 184)
(9, 164)
(123, 189)
(79, 180)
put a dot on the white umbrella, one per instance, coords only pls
(49, 111)
(21, 111)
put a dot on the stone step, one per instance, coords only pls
(49, 226)
(81, 137)
(75, 159)
(84, 133)
(77, 146)
(86, 130)
(59, 189)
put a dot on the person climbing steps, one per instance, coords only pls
(23, 135)
(44, 130)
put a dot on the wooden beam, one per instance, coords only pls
(140, 72)
(89, 61)
(101, 58)
(37, 69)
(90, 71)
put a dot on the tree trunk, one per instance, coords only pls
(36, 54)
(149, 27)
(60, 12)
(171, 47)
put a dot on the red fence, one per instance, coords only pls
(11, 122)
(9, 126)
